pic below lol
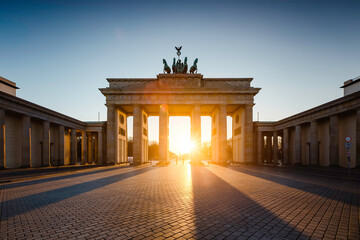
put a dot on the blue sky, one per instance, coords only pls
(60, 52)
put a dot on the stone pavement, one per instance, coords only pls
(180, 202)
(10, 175)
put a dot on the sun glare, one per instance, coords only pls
(185, 146)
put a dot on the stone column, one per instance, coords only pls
(46, 144)
(111, 133)
(268, 149)
(357, 147)
(222, 134)
(100, 148)
(2, 139)
(314, 145)
(298, 155)
(196, 135)
(137, 135)
(249, 141)
(286, 145)
(334, 140)
(164, 134)
(83, 148)
(260, 141)
(26, 142)
(275, 148)
(61, 145)
(89, 148)
(73, 147)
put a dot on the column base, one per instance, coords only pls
(197, 163)
(26, 166)
(136, 164)
(107, 164)
(162, 164)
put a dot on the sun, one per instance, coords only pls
(185, 146)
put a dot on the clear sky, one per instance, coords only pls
(298, 51)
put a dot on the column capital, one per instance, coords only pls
(249, 105)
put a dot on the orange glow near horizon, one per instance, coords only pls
(179, 131)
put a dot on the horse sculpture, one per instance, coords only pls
(193, 68)
(166, 67)
(185, 67)
(174, 66)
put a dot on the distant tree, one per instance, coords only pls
(154, 151)
(206, 150)
(172, 156)
(185, 156)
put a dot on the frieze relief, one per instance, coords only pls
(180, 83)
(156, 99)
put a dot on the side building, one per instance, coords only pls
(34, 136)
(316, 136)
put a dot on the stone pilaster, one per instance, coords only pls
(357, 138)
(334, 140)
(164, 134)
(260, 147)
(73, 147)
(314, 145)
(89, 148)
(2, 139)
(275, 148)
(83, 148)
(100, 148)
(137, 135)
(61, 145)
(118, 151)
(46, 144)
(249, 141)
(268, 149)
(298, 155)
(111, 133)
(285, 143)
(222, 134)
(26, 142)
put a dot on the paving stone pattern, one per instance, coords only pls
(180, 202)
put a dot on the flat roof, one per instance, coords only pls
(8, 82)
(351, 82)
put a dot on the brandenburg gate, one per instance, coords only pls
(180, 94)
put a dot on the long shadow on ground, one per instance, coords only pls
(51, 179)
(223, 211)
(327, 192)
(22, 205)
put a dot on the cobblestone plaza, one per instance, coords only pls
(180, 202)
